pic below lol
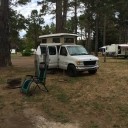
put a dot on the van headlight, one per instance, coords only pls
(79, 62)
(97, 62)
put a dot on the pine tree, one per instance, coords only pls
(5, 59)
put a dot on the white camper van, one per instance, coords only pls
(67, 56)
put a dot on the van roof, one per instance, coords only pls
(57, 34)
(56, 44)
(123, 45)
(50, 44)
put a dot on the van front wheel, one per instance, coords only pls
(71, 70)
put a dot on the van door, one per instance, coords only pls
(119, 50)
(63, 58)
(53, 56)
(41, 52)
(126, 51)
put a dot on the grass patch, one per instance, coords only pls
(93, 125)
(1, 80)
(54, 113)
(123, 110)
(63, 97)
(1, 102)
(17, 106)
(94, 101)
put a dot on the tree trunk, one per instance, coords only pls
(76, 19)
(5, 58)
(104, 36)
(75, 16)
(96, 36)
(119, 39)
(89, 40)
(65, 8)
(35, 35)
(59, 19)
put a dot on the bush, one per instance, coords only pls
(27, 52)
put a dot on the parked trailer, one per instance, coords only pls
(115, 50)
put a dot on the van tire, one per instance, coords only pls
(71, 70)
(92, 71)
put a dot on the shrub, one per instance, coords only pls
(27, 52)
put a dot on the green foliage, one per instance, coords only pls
(70, 26)
(34, 27)
(17, 22)
(26, 52)
(49, 29)
(114, 11)
(25, 43)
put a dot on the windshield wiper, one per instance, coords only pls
(83, 54)
(73, 54)
(76, 54)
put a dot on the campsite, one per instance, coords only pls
(85, 101)
(86, 42)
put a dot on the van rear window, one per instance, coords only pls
(52, 50)
(43, 50)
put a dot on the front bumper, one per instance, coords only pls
(86, 68)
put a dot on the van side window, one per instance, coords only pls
(56, 40)
(69, 40)
(44, 41)
(63, 51)
(52, 50)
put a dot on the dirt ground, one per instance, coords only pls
(86, 101)
(16, 114)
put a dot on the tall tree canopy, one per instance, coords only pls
(8, 29)
(34, 27)
(99, 22)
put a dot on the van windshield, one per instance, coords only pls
(77, 50)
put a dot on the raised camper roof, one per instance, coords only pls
(58, 34)
(58, 38)
(50, 44)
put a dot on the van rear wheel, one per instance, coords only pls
(71, 70)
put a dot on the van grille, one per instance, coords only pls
(89, 63)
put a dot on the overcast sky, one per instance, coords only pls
(25, 10)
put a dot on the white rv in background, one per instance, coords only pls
(115, 50)
(13, 51)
